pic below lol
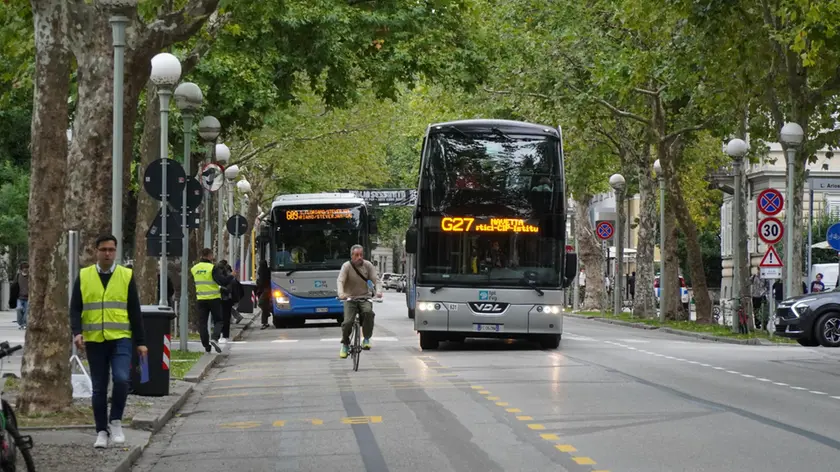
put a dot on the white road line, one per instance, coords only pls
(762, 379)
(798, 388)
(836, 398)
(816, 392)
(285, 340)
(733, 372)
(780, 384)
(748, 376)
(719, 368)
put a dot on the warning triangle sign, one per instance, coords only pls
(771, 258)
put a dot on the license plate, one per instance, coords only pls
(495, 328)
(321, 310)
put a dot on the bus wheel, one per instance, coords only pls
(428, 341)
(550, 342)
(279, 323)
(411, 313)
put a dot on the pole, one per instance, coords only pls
(72, 269)
(789, 284)
(661, 248)
(208, 235)
(118, 24)
(219, 225)
(230, 213)
(183, 311)
(619, 252)
(605, 248)
(165, 95)
(810, 228)
(736, 246)
(242, 270)
(576, 280)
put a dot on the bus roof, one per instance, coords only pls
(316, 199)
(507, 126)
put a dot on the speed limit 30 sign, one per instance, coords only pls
(771, 230)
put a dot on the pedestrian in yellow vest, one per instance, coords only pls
(208, 279)
(104, 317)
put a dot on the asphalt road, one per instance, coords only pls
(610, 398)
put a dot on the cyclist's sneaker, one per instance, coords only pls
(366, 344)
(343, 353)
(101, 440)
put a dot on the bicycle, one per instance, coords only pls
(8, 429)
(356, 334)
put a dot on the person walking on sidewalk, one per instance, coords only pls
(20, 295)
(209, 279)
(104, 318)
(230, 295)
(263, 292)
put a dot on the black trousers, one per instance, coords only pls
(227, 314)
(207, 308)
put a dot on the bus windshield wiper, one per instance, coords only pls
(452, 128)
(533, 284)
(501, 133)
(291, 272)
(435, 290)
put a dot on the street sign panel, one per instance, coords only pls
(770, 202)
(604, 230)
(173, 247)
(173, 226)
(175, 179)
(771, 272)
(832, 236)
(770, 230)
(212, 176)
(237, 225)
(825, 183)
(771, 258)
(193, 218)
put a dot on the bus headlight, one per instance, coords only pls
(551, 310)
(428, 306)
(280, 298)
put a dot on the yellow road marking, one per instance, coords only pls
(284, 376)
(502, 403)
(550, 437)
(278, 423)
(536, 426)
(336, 390)
(241, 425)
(493, 398)
(565, 448)
(314, 421)
(477, 387)
(584, 460)
(513, 410)
(484, 392)
(524, 418)
(362, 420)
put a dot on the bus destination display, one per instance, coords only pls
(452, 224)
(320, 214)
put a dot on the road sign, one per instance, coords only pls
(825, 183)
(212, 176)
(771, 273)
(604, 230)
(173, 247)
(770, 202)
(237, 225)
(832, 236)
(175, 179)
(569, 249)
(771, 230)
(173, 226)
(771, 258)
(194, 195)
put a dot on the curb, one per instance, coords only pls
(128, 461)
(679, 332)
(201, 368)
(155, 423)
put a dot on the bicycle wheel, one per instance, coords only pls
(357, 347)
(23, 446)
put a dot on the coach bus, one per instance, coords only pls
(486, 252)
(306, 238)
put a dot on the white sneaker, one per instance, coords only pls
(222, 340)
(101, 440)
(117, 435)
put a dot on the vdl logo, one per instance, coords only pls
(488, 307)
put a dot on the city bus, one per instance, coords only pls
(306, 238)
(486, 248)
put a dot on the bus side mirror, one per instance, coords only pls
(373, 225)
(570, 268)
(411, 240)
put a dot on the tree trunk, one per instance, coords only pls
(648, 192)
(591, 256)
(46, 379)
(146, 267)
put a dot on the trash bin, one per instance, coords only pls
(157, 321)
(246, 304)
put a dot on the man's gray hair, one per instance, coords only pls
(356, 246)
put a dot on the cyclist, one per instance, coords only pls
(357, 278)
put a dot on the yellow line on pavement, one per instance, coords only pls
(493, 398)
(351, 386)
(502, 403)
(565, 448)
(550, 437)
(286, 393)
(513, 410)
(584, 460)
(536, 426)
(484, 392)
(477, 387)
(524, 418)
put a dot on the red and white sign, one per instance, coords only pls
(771, 258)
(167, 343)
(770, 230)
(770, 202)
(604, 230)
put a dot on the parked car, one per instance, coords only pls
(683, 291)
(401, 283)
(812, 319)
(392, 281)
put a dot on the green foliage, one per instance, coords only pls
(710, 254)
(14, 203)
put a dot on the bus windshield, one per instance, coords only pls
(486, 196)
(315, 237)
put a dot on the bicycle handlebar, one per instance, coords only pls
(5, 350)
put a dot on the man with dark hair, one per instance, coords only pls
(208, 280)
(104, 317)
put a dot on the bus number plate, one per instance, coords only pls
(494, 328)
(321, 310)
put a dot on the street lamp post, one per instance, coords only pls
(657, 168)
(245, 187)
(119, 21)
(230, 174)
(166, 70)
(209, 129)
(617, 183)
(188, 98)
(222, 156)
(792, 136)
(736, 149)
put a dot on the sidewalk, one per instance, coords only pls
(9, 332)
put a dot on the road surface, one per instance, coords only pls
(609, 399)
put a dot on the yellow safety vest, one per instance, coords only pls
(205, 287)
(105, 309)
